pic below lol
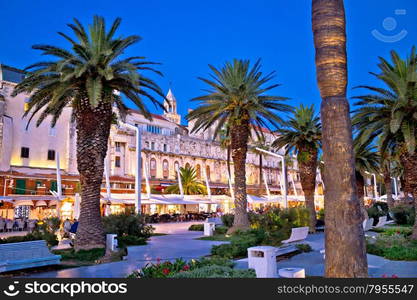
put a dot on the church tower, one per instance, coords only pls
(170, 105)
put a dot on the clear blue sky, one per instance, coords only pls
(185, 36)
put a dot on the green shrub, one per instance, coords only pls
(130, 240)
(196, 227)
(127, 224)
(396, 247)
(403, 214)
(215, 272)
(212, 261)
(228, 220)
(304, 247)
(50, 238)
(378, 209)
(82, 255)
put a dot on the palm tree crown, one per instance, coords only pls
(88, 74)
(237, 94)
(190, 184)
(303, 132)
(391, 112)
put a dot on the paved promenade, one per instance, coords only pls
(178, 243)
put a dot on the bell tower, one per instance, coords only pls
(170, 105)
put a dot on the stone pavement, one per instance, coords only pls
(179, 243)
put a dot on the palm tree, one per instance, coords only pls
(236, 97)
(224, 135)
(303, 138)
(390, 114)
(190, 184)
(345, 257)
(386, 162)
(366, 161)
(88, 78)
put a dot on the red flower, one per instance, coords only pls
(384, 276)
(166, 271)
(394, 276)
(186, 268)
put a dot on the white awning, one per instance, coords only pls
(41, 203)
(23, 203)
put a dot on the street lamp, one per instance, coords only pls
(375, 187)
(138, 175)
(284, 179)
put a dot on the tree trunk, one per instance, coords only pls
(388, 186)
(360, 185)
(228, 160)
(307, 162)
(409, 162)
(344, 236)
(239, 145)
(93, 129)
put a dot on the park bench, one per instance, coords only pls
(381, 222)
(297, 234)
(367, 224)
(16, 256)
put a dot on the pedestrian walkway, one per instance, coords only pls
(179, 243)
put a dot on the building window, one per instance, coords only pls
(117, 145)
(165, 168)
(208, 172)
(147, 145)
(153, 129)
(198, 172)
(24, 152)
(51, 154)
(152, 145)
(165, 148)
(52, 131)
(117, 162)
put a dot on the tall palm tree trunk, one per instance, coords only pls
(308, 170)
(344, 236)
(239, 146)
(260, 169)
(93, 129)
(409, 162)
(388, 186)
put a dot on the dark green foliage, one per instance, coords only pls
(239, 243)
(127, 224)
(394, 243)
(377, 210)
(403, 214)
(220, 230)
(50, 238)
(82, 255)
(304, 247)
(168, 269)
(130, 240)
(215, 272)
(320, 214)
(196, 227)
(228, 220)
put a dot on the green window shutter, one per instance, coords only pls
(20, 186)
(54, 186)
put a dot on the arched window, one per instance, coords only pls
(165, 168)
(208, 172)
(187, 166)
(198, 171)
(176, 166)
(153, 167)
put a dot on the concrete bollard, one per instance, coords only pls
(209, 228)
(263, 260)
(292, 273)
(111, 242)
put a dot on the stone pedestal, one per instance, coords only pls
(292, 273)
(209, 228)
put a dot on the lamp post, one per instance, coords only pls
(284, 179)
(375, 186)
(138, 175)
